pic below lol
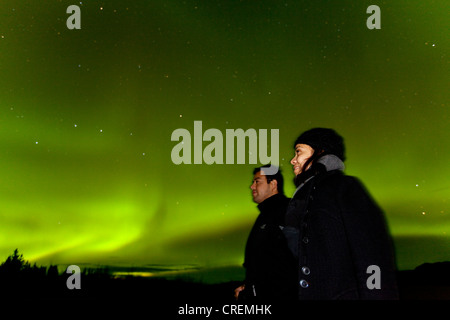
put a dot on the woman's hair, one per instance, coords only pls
(313, 159)
(309, 169)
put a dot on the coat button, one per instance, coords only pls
(306, 271)
(305, 240)
(304, 284)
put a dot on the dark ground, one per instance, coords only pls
(430, 281)
(425, 285)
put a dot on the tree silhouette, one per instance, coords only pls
(14, 264)
(18, 277)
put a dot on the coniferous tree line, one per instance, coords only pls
(19, 279)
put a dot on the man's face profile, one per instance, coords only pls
(261, 190)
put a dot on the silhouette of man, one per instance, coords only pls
(269, 264)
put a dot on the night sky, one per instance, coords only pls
(86, 118)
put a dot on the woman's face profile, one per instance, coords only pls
(302, 153)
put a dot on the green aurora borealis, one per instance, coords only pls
(86, 118)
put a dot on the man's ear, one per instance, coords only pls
(274, 185)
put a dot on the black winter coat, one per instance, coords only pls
(270, 266)
(336, 232)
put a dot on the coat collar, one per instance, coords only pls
(331, 162)
(326, 163)
(270, 201)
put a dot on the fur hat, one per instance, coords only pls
(323, 139)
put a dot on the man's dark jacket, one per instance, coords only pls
(336, 232)
(270, 265)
